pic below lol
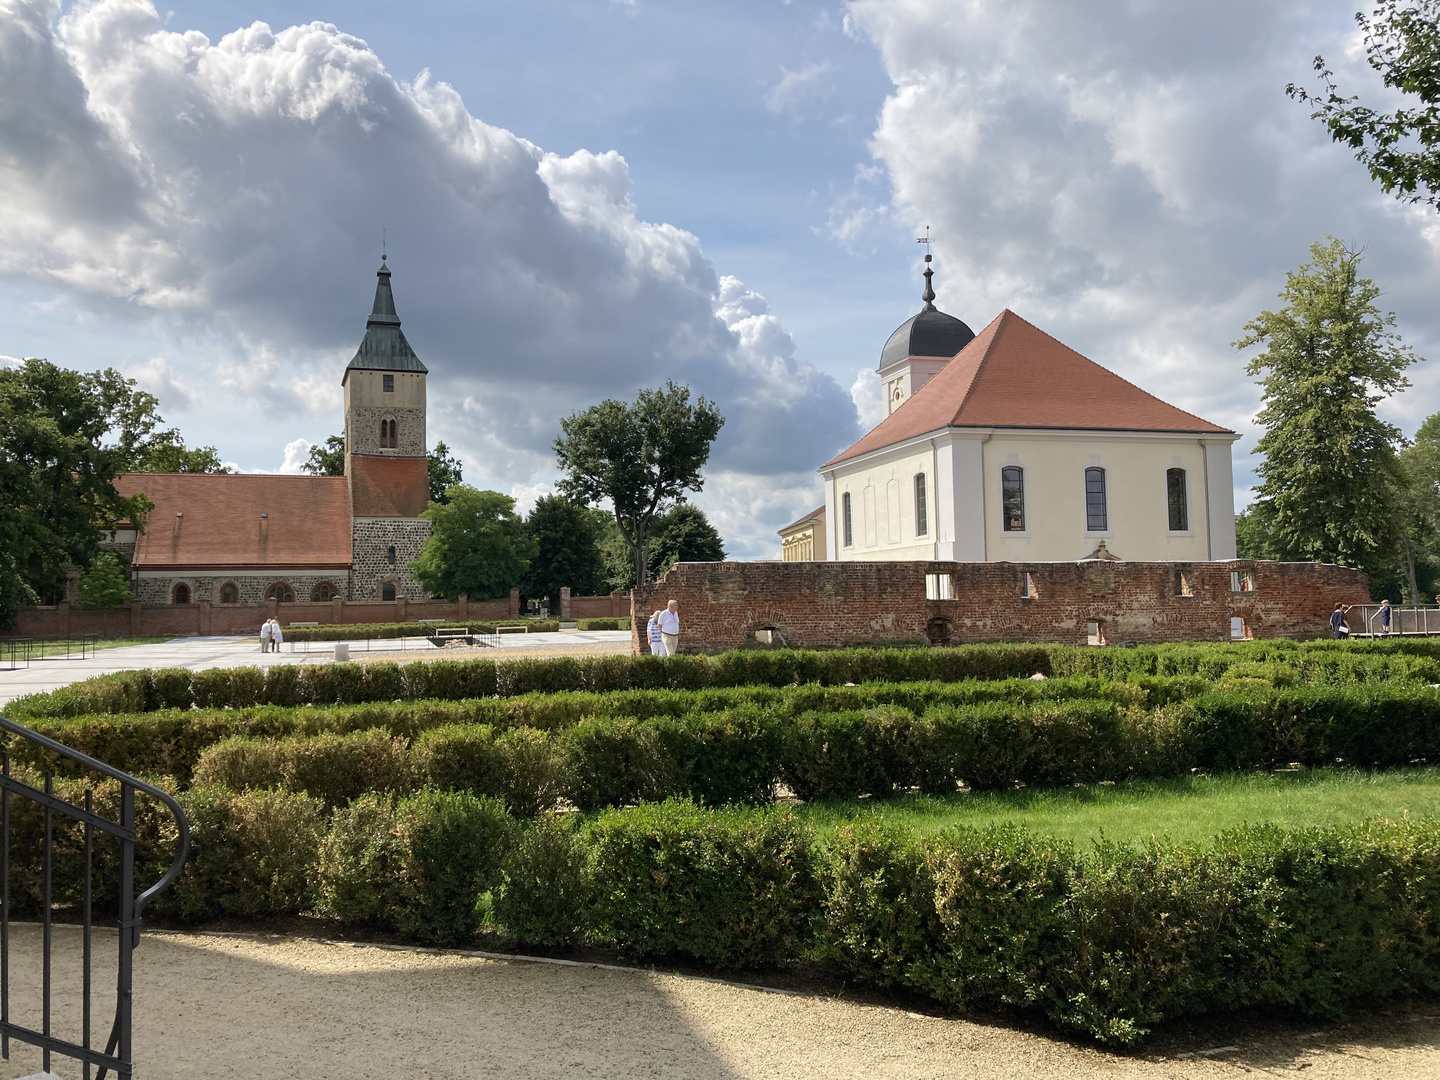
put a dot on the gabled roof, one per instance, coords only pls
(306, 522)
(384, 347)
(813, 515)
(1014, 375)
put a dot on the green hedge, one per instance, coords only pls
(602, 624)
(741, 753)
(1285, 663)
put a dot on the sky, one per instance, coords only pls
(581, 198)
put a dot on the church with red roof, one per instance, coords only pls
(1008, 445)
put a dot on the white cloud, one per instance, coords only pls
(231, 192)
(797, 90)
(869, 401)
(158, 376)
(297, 452)
(527, 495)
(1133, 178)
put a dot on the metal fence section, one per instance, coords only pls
(1368, 621)
(116, 1056)
(401, 644)
(17, 653)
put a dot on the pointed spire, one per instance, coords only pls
(383, 313)
(929, 294)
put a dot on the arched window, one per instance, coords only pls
(922, 516)
(1012, 498)
(182, 594)
(280, 593)
(847, 523)
(387, 591)
(1097, 515)
(389, 434)
(323, 592)
(1179, 503)
(229, 593)
(390, 555)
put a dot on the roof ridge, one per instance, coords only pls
(984, 359)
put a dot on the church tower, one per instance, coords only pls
(385, 464)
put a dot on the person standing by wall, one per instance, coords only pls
(669, 622)
(652, 632)
(265, 636)
(1339, 624)
(276, 634)
(1385, 617)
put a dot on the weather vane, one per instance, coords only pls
(382, 246)
(926, 241)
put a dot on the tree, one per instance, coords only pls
(327, 459)
(57, 472)
(478, 545)
(1330, 482)
(1252, 532)
(1420, 521)
(641, 458)
(568, 550)
(106, 584)
(683, 534)
(444, 472)
(167, 453)
(1401, 149)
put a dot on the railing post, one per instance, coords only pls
(128, 930)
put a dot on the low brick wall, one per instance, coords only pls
(614, 606)
(181, 620)
(809, 604)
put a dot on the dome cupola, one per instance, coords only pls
(919, 347)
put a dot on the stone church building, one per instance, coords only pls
(247, 538)
(1009, 446)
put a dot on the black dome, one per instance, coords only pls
(930, 333)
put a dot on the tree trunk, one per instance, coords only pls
(1410, 573)
(641, 567)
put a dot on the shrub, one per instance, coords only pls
(729, 888)
(417, 866)
(602, 624)
(458, 757)
(546, 894)
(529, 769)
(333, 768)
(253, 853)
(617, 761)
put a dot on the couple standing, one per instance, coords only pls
(270, 635)
(664, 630)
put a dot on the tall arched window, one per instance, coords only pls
(281, 593)
(922, 516)
(389, 435)
(394, 435)
(323, 592)
(847, 524)
(387, 591)
(182, 594)
(1012, 498)
(1097, 515)
(229, 593)
(1179, 503)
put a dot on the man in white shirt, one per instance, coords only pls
(670, 627)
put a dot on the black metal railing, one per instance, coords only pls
(116, 1057)
(16, 653)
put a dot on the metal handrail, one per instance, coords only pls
(117, 1052)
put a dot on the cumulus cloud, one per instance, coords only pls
(1134, 179)
(297, 452)
(233, 191)
(158, 376)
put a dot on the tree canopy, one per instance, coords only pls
(568, 550)
(681, 534)
(1400, 148)
(64, 438)
(106, 584)
(1330, 486)
(478, 546)
(327, 459)
(641, 458)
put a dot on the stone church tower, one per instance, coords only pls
(385, 465)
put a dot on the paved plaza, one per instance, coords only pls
(198, 653)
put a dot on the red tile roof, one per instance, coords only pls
(1014, 375)
(389, 486)
(306, 522)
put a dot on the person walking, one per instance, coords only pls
(1385, 617)
(652, 631)
(669, 622)
(276, 634)
(265, 636)
(1339, 624)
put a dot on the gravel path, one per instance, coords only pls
(255, 1006)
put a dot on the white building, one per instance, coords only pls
(1009, 446)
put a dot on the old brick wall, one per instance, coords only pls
(722, 605)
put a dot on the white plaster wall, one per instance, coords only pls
(891, 508)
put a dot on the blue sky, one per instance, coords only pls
(587, 197)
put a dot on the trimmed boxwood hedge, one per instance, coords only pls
(1109, 942)
(1329, 663)
(382, 631)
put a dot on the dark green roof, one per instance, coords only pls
(384, 347)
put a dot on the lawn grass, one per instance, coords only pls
(1193, 808)
(54, 648)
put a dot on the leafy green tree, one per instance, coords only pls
(1401, 148)
(568, 551)
(478, 545)
(167, 453)
(64, 438)
(105, 584)
(1420, 495)
(1252, 532)
(683, 534)
(444, 472)
(641, 458)
(327, 459)
(1329, 483)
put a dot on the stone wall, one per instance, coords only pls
(723, 605)
(371, 566)
(160, 588)
(364, 431)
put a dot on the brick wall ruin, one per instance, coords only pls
(724, 605)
